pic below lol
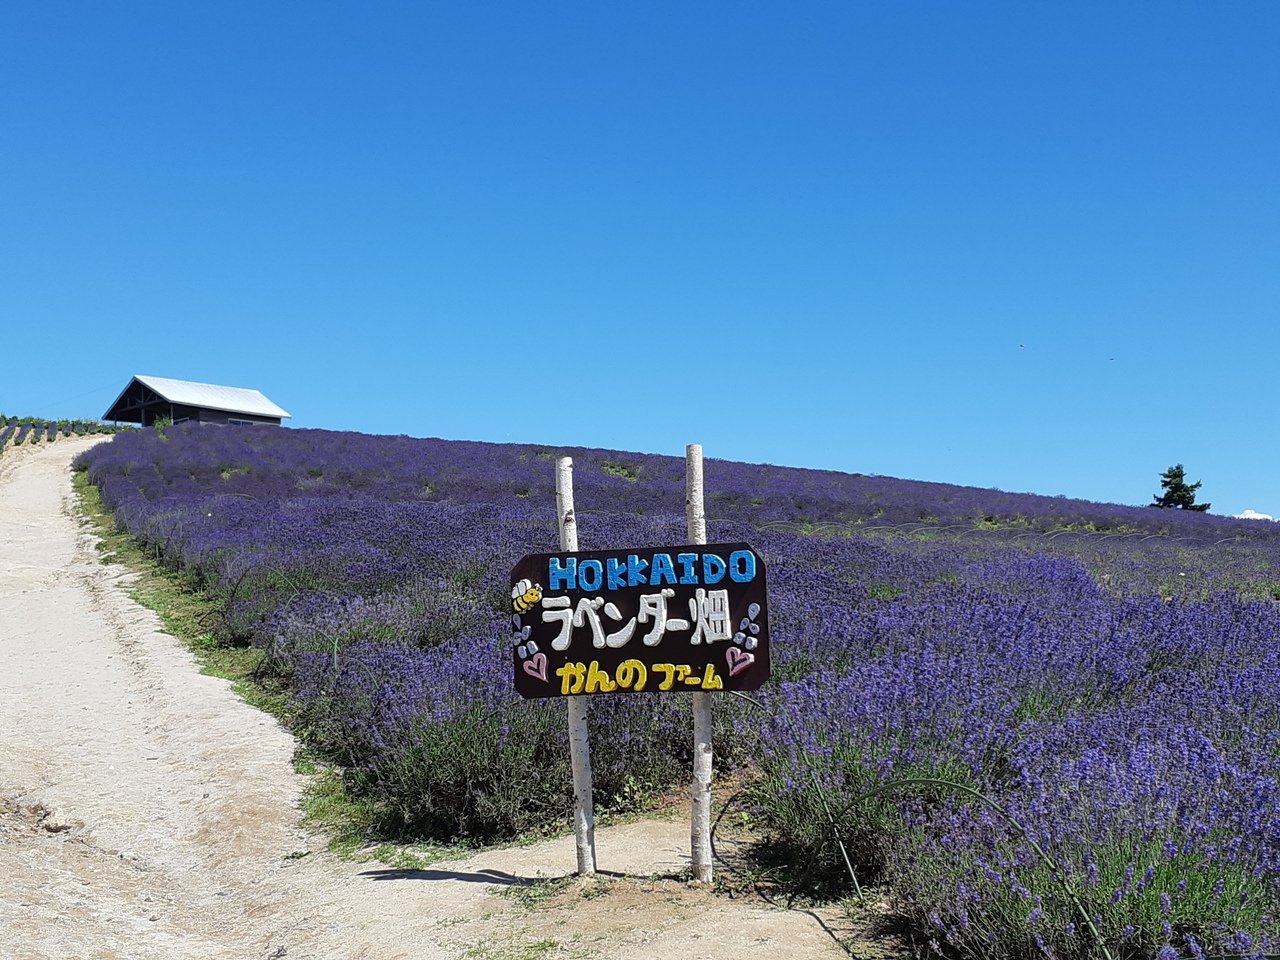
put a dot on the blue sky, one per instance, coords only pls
(1021, 245)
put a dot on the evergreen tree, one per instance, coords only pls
(1177, 492)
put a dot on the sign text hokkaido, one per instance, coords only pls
(640, 620)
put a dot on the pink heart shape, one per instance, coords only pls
(738, 660)
(536, 666)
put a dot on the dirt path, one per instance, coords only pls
(146, 812)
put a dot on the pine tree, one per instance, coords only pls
(1177, 492)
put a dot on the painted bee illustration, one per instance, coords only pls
(524, 595)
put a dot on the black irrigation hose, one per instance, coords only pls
(715, 824)
(1054, 869)
(728, 804)
(835, 830)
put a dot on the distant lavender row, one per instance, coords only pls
(317, 463)
(34, 430)
(1115, 695)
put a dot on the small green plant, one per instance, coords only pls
(160, 424)
(616, 468)
(882, 591)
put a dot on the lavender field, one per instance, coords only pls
(1107, 677)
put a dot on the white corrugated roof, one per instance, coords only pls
(212, 396)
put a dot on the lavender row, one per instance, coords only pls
(34, 430)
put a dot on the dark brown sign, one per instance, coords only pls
(642, 620)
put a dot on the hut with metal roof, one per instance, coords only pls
(147, 398)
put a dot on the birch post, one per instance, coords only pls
(584, 823)
(700, 826)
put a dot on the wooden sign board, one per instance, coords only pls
(642, 620)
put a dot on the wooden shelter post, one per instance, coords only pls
(584, 826)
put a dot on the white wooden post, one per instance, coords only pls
(700, 826)
(584, 822)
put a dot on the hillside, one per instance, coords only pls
(1104, 676)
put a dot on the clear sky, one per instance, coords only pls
(1025, 245)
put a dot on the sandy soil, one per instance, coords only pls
(146, 812)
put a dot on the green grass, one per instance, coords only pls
(539, 892)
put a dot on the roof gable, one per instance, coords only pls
(211, 396)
